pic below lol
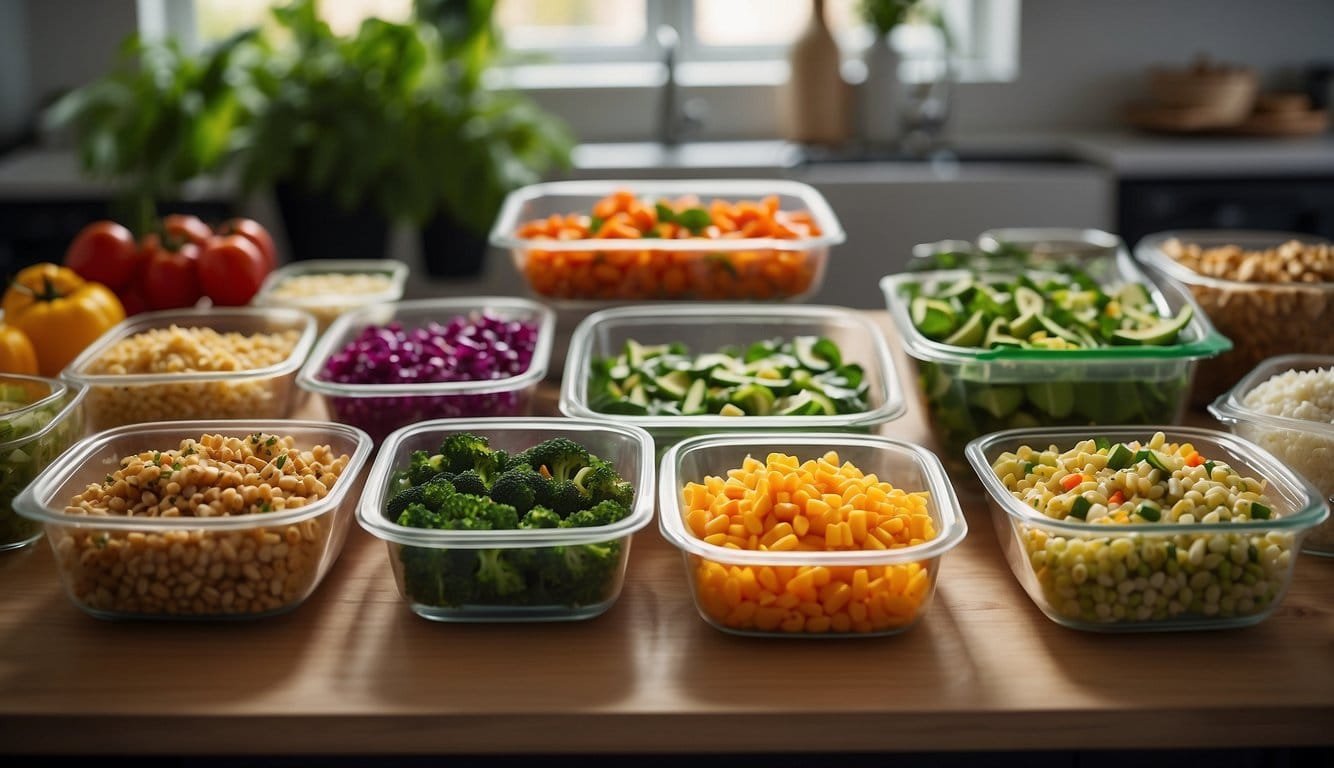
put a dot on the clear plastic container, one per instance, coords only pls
(1052, 245)
(226, 567)
(970, 392)
(381, 408)
(1263, 320)
(907, 467)
(327, 303)
(421, 558)
(708, 328)
(1018, 248)
(600, 270)
(261, 393)
(1154, 565)
(45, 420)
(1304, 446)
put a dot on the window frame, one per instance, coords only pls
(737, 85)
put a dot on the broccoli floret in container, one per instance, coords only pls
(580, 574)
(519, 486)
(423, 466)
(602, 513)
(466, 512)
(468, 486)
(470, 482)
(560, 457)
(464, 451)
(540, 517)
(601, 483)
(498, 574)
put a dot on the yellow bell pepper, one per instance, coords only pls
(59, 312)
(16, 352)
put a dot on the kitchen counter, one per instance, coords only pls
(353, 671)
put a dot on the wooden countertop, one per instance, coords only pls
(353, 671)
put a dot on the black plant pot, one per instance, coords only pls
(318, 228)
(451, 250)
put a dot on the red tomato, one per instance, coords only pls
(132, 295)
(132, 299)
(171, 277)
(256, 233)
(183, 227)
(231, 269)
(104, 252)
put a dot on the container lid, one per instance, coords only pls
(1308, 506)
(1149, 251)
(953, 526)
(350, 323)
(1203, 340)
(36, 502)
(395, 270)
(370, 512)
(504, 233)
(280, 318)
(1051, 241)
(1231, 408)
(574, 385)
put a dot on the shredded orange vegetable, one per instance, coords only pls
(657, 271)
(782, 504)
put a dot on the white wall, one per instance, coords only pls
(70, 42)
(1080, 61)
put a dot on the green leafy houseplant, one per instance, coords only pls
(162, 117)
(395, 116)
(391, 122)
(884, 15)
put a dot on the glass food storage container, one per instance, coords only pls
(771, 263)
(1146, 574)
(1302, 441)
(381, 408)
(142, 370)
(971, 391)
(262, 557)
(39, 419)
(706, 329)
(563, 573)
(1262, 316)
(326, 288)
(1020, 248)
(792, 593)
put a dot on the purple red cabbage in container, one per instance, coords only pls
(478, 347)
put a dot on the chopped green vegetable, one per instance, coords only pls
(554, 484)
(30, 443)
(806, 375)
(1080, 508)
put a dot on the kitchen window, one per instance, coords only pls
(738, 41)
(574, 56)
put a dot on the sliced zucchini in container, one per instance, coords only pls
(754, 399)
(999, 400)
(696, 398)
(674, 384)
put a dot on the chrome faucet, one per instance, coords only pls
(675, 117)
